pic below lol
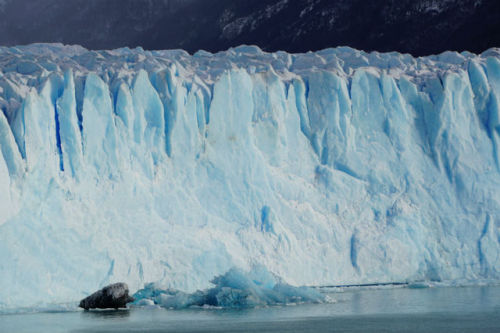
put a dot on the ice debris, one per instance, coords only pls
(234, 289)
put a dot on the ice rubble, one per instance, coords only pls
(333, 167)
(234, 289)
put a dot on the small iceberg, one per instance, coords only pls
(234, 289)
(419, 285)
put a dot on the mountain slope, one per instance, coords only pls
(420, 27)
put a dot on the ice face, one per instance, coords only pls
(334, 167)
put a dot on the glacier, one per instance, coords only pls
(325, 168)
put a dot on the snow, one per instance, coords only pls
(328, 168)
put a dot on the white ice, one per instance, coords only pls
(327, 168)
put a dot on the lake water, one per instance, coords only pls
(466, 309)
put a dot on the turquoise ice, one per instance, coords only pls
(333, 167)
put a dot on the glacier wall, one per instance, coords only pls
(333, 167)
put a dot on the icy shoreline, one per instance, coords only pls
(331, 294)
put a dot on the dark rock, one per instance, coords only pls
(114, 296)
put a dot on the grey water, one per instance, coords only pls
(457, 309)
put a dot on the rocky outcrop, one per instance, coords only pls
(114, 296)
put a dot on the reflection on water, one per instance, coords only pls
(106, 314)
(355, 310)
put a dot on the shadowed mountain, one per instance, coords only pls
(419, 27)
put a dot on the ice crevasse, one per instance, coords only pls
(333, 167)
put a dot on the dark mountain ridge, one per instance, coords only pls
(419, 27)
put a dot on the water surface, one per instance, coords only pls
(467, 309)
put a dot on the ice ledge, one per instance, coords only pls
(32, 60)
(26, 68)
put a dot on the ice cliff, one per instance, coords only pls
(332, 167)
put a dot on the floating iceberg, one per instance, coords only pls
(234, 289)
(327, 168)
